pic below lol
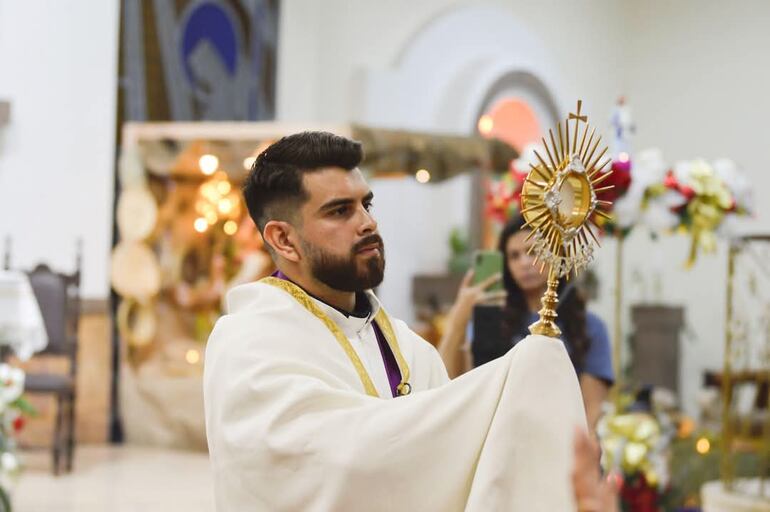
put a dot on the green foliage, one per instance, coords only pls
(24, 406)
(460, 258)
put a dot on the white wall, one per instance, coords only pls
(415, 221)
(327, 47)
(58, 67)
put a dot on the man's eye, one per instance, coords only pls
(342, 210)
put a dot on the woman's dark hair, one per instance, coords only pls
(273, 189)
(571, 308)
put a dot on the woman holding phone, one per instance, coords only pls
(497, 328)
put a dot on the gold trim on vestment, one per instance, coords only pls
(382, 320)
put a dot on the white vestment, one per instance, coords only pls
(362, 338)
(290, 427)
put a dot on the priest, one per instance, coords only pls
(316, 399)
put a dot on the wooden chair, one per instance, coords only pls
(58, 295)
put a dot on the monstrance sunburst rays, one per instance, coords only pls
(558, 202)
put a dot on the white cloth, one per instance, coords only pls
(290, 428)
(21, 322)
(360, 333)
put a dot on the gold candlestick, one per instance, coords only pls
(617, 345)
(558, 200)
(727, 467)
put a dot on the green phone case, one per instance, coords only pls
(486, 264)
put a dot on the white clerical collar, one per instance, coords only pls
(351, 325)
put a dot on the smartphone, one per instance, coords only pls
(486, 264)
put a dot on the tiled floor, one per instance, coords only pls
(117, 479)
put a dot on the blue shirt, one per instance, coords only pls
(597, 361)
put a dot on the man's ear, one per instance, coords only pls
(276, 234)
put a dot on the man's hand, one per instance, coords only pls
(592, 494)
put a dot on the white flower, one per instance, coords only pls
(9, 416)
(9, 463)
(628, 208)
(736, 181)
(658, 217)
(671, 199)
(683, 170)
(647, 169)
(11, 384)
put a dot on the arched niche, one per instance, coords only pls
(445, 75)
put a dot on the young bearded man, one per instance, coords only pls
(317, 399)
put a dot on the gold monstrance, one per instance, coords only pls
(558, 201)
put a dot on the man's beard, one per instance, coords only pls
(342, 273)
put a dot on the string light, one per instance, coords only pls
(223, 187)
(225, 206)
(192, 356)
(248, 162)
(201, 225)
(217, 200)
(703, 446)
(208, 164)
(486, 123)
(230, 227)
(422, 175)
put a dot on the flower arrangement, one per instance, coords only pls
(634, 446)
(636, 435)
(13, 411)
(660, 457)
(694, 197)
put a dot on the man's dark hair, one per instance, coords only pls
(273, 189)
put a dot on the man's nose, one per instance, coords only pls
(368, 222)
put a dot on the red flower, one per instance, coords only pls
(670, 181)
(18, 423)
(638, 496)
(498, 200)
(518, 175)
(504, 195)
(620, 179)
(621, 165)
(686, 191)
